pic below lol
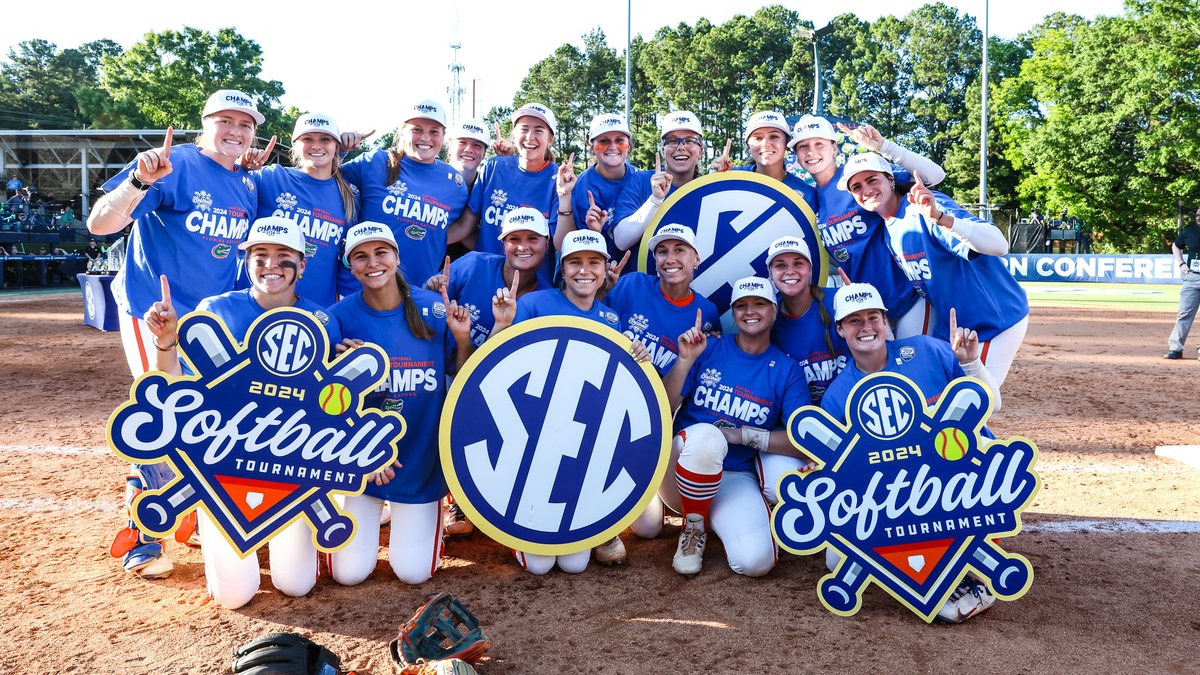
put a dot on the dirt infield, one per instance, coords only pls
(1114, 538)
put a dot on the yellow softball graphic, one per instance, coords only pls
(952, 444)
(335, 398)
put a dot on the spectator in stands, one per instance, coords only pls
(3, 251)
(14, 184)
(93, 250)
(68, 217)
(1036, 217)
(1186, 249)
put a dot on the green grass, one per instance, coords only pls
(1146, 297)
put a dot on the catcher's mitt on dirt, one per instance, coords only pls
(443, 628)
(284, 654)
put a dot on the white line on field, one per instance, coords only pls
(51, 450)
(1114, 526)
(1188, 454)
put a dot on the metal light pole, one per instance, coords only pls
(984, 212)
(628, 55)
(814, 36)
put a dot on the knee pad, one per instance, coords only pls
(537, 564)
(574, 563)
(702, 448)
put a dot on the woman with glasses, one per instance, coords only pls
(681, 150)
(600, 186)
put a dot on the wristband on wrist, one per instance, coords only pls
(137, 182)
(568, 212)
(168, 347)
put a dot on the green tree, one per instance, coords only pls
(42, 87)
(944, 59)
(1112, 138)
(165, 79)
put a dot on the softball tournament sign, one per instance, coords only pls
(911, 498)
(262, 435)
(736, 215)
(554, 438)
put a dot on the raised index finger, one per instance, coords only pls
(917, 176)
(624, 260)
(591, 199)
(657, 163)
(516, 282)
(728, 145)
(166, 289)
(953, 323)
(269, 148)
(699, 319)
(166, 147)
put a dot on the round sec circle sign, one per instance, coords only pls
(553, 438)
(736, 215)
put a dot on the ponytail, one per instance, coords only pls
(395, 154)
(412, 316)
(347, 193)
(818, 294)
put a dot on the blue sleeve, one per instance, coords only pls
(795, 393)
(333, 328)
(636, 192)
(525, 311)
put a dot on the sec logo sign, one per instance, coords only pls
(553, 438)
(736, 215)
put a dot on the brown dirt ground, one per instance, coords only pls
(1088, 387)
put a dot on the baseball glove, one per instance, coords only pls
(284, 654)
(443, 628)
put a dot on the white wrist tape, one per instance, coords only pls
(755, 438)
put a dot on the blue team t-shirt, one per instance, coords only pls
(415, 387)
(239, 309)
(807, 340)
(187, 226)
(503, 186)
(950, 274)
(730, 388)
(856, 240)
(419, 206)
(807, 192)
(649, 316)
(926, 361)
(474, 280)
(553, 302)
(316, 206)
(606, 194)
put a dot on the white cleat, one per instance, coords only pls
(689, 555)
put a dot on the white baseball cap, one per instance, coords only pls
(811, 126)
(364, 232)
(752, 287)
(867, 161)
(427, 109)
(524, 218)
(606, 122)
(232, 99)
(681, 120)
(317, 122)
(676, 233)
(787, 245)
(581, 241)
(539, 111)
(853, 298)
(475, 130)
(275, 230)
(767, 118)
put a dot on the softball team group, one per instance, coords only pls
(363, 246)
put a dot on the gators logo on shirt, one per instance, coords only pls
(221, 251)
(415, 232)
(310, 249)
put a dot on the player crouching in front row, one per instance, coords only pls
(930, 363)
(736, 392)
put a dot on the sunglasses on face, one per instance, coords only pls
(604, 143)
(677, 142)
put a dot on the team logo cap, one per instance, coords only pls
(475, 130)
(811, 126)
(367, 231)
(772, 119)
(853, 298)
(427, 109)
(676, 233)
(539, 111)
(316, 122)
(606, 122)
(867, 161)
(275, 230)
(681, 120)
(787, 245)
(524, 218)
(752, 287)
(581, 241)
(232, 99)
